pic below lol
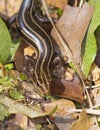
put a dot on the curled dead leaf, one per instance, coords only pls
(68, 89)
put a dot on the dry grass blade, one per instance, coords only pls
(81, 3)
(94, 86)
(65, 48)
(95, 106)
(88, 111)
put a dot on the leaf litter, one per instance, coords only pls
(73, 27)
(72, 89)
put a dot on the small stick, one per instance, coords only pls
(94, 86)
(88, 111)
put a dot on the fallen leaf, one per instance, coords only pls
(10, 126)
(15, 107)
(6, 83)
(3, 112)
(29, 51)
(19, 56)
(64, 123)
(84, 122)
(21, 120)
(68, 89)
(7, 9)
(24, 50)
(57, 3)
(62, 119)
(18, 122)
(62, 106)
(73, 25)
(30, 91)
(14, 94)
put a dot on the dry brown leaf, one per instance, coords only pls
(73, 25)
(29, 90)
(63, 106)
(9, 7)
(18, 122)
(64, 123)
(62, 119)
(68, 89)
(19, 56)
(29, 51)
(21, 120)
(10, 126)
(85, 122)
(57, 3)
(24, 50)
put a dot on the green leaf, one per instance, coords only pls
(24, 77)
(13, 49)
(3, 112)
(9, 66)
(97, 35)
(6, 83)
(91, 47)
(16, 95)
(59, 12)
(5, 42)
(54, 110)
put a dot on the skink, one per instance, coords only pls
(37, 38)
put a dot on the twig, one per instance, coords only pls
(96, 106)
(94, 86)
(88, 111)
(81, 3)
